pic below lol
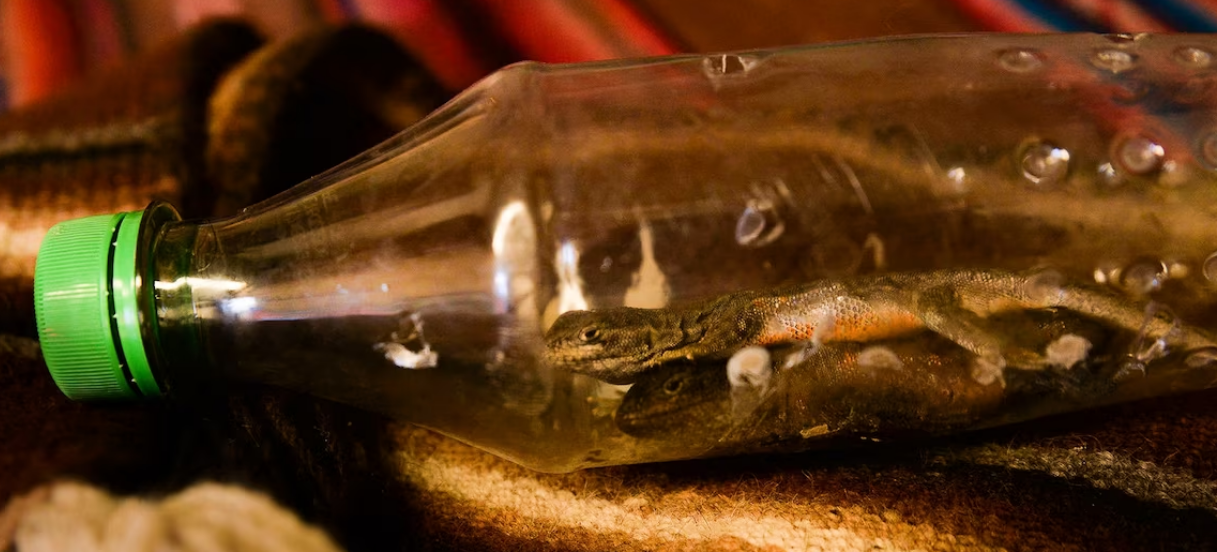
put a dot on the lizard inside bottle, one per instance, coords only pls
(617, 345)
(915, 385)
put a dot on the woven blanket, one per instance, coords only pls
(1135, 477)
(212, 123)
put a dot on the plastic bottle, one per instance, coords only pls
(419, 279)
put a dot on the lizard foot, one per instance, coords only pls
(801, 352)
(988, 372)
(1131, 368)
(1202, 358)
(1062, 353)
(1067, 351)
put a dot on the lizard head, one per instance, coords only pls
(613, 345)
(680, 400)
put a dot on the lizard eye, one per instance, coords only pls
(674, 385)
(589, 334)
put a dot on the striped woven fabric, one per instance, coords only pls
(114, 144)
(207, 122)
(1137, 477)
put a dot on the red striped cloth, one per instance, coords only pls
(47, 44)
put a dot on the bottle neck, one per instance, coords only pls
(171, 328)
(270, 296)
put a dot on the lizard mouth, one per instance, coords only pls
(613, 370)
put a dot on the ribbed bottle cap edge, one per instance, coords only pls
(73, 308)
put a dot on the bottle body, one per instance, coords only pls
(419, 280)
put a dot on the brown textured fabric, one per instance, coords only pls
(112, 145)
(46, 436)
(1135, 477)
(115, 144)
(202, 518)
(205, 125)
(305, 104)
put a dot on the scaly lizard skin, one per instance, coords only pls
(617, 344)
(690, 403)
(920, 384)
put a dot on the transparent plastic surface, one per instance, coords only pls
(773, 250)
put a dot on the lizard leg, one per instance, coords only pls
(1153, 321)
(1158, 330)
(825, 327)
(942, 311)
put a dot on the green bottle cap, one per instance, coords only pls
(85, 298)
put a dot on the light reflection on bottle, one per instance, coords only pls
(515, 261)
(239, 307)
(570, 285)
(200, 284)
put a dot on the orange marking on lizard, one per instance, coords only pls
(867, 327)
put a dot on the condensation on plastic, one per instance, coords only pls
(418, 280)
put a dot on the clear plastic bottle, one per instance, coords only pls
(419, 279)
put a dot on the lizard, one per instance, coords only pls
(921, 384)
(617, 344)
